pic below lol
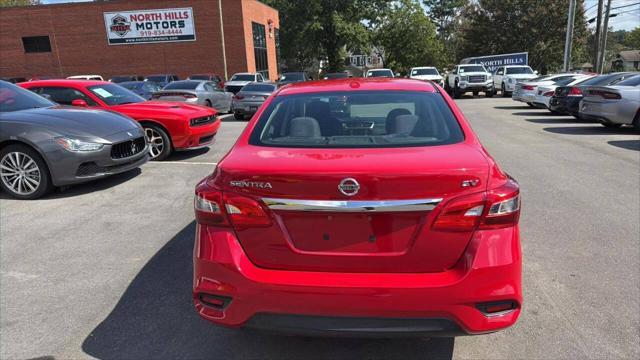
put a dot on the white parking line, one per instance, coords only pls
(182, 162)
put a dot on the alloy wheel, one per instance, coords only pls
(156, 142)
(20, 173)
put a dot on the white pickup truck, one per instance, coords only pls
(506, 78)
(469, 78)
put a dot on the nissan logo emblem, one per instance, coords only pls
(349, 187)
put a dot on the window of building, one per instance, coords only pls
(277, 38)
(36, 44)
(260, 49)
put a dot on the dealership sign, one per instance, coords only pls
(149, 26)
(492, 62)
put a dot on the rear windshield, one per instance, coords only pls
(336, 76)
(292, 76)
(380, 73)
(182, 85)
(424, 72)
(519, 70)
(157, 78)
(362, 119)
(259, 88)
(632, 81)
(199, 77)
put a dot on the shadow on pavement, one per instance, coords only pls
(590, 130)
(626, 144)
(187, 154)
(540, 112)
(155, 319)
(559, 120)
(86, 188)
(513, 107)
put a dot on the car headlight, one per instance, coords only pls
(464, 78)
(511, 80)
(76, 145)
(489, 77)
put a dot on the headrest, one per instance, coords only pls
(404, 124)
(304, 127)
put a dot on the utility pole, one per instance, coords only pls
(603, 35)
(224, 53)
(596, 39)
(569, 38)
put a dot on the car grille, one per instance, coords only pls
(92, 169)
(128, 148)
(202, 120)
(234, 89)
(477, 78)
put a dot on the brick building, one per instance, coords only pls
(138, 38)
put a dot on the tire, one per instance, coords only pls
(207, 103)
(238, 116)
(503, 91)
(611, 125)
(33, 182)
(636, 122)
(456, 91)
(530, 105)
(556, 112)
(489, 94)
(475, 93)
(159, 142)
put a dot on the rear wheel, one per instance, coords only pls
(208, 103)
(636, 121)
(23, 173)
(530, 104)
(159, 143)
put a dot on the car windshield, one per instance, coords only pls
(292, 76)
(336, 76)
(476, 68)
(632, 81)
(380, 73)
(15, 98)
(363, 119)
(131, 85)
(243, 77)
(113, 94)
(428, 71)
(259, 88)
(519, 70)
(199, 77)
(156, 78)
(182, 85)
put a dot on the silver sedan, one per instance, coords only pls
(613, 105)
(197, 92)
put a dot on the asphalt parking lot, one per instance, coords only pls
(104, 270)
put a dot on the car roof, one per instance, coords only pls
(423, 67)
(244, 73)
(514, 66)
(67, 82)
(380, 69)
(356, 84)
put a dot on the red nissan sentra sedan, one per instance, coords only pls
(168, 126)
(359, 207)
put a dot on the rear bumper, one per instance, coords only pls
(357, 303)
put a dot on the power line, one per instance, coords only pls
(624, 6)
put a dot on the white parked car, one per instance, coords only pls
(380, 73)
(426, 73)
(239, 80)
(526, 91)
(545, 92)
(469, 78)
(506, 77)
(86, 77)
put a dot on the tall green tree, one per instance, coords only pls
(535, 26)
(632, 39)
(314, 29)
(407, 37)
(443, 13)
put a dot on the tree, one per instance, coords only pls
(632, 39)
(535, 26)
(407, 37)
(9, 3)
(323, 28)
(443, 13)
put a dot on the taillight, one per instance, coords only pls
(497, 208)
(548, 93)
(215, 208)
(527, 87)
(574, 91)
(238, 97)
(605, 94)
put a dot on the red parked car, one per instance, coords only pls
(168, 126)
(359, 206)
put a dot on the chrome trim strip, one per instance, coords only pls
(351, 205)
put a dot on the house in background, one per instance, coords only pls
(628, 60)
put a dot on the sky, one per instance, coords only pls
(628, 19)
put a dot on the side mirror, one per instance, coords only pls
(535, 72)
(79, 103)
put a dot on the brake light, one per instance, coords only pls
(238, 97)
(548, 93)
(528, 87)
(574, 91)
(494, 209)
(605, 94)
(214, 208)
